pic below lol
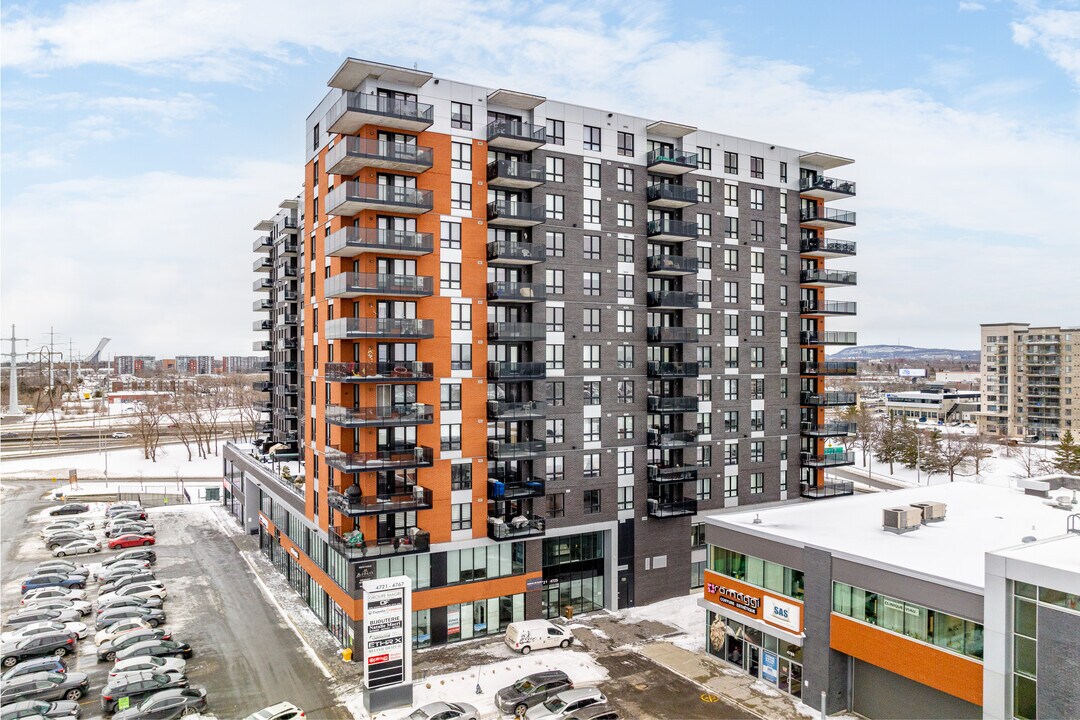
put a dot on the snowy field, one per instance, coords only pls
(172, 463)
(999, 470)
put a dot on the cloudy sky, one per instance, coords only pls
(142, 139)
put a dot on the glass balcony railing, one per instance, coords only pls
(672, 473)
(501, 291)
(355, 110)
(380, 415)
(670, 195)
(262, 244)
(827, 429)
(515, 331)
(350, 241)
(515, 528)
(263, 285)
(350, 155)
(813, 307)
(515, 449)
(826, 247)
(379, 371)
(826, 278)
(658, 404)
(515, 135)
(383, 328)
(671, 335)
(672, 369)
(672, 299)
(829, 337)
(515, 490)
(670, 508)
(826, 399)
(515, 174)
(506, 252)
(354, 547)
(503, 410)
(419, 456)
(671, 440)
(827, 460)
(671, 265)
(513, 371)
(352, 197)
(829, 488)
(823, 186)
(667, 229)
(352, 284)
(400, 498)
(825, 217)
(515, 214)
(829, 367)
(670, 160)
(261, 325)
(264, 264)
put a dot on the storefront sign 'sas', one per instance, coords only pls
(785, 614)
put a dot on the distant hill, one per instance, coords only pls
(905, 352)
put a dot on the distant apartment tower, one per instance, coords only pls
(539, 340)
(1028, 376)
(133, 364)
(241, 364)
(194, 364)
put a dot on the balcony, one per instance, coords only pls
(672, 369)
(828, 429)
(262, 245)
(355, 549)
(670, 508)
(382, 328)
(813, 307)
(827, 460)
(671, 265)
(516, 292)
(666, 473)
(664, 405)
(262, 345)
(827, 218)
(352, 154)
(515, 135)
(380, 372)
(406, 498)
(262, 305)
(287, 247)
(672, 299)
(352, 241)
(515, 175)
(671, 230)
(826, 188)
(827, 278)
(515, 450)
(262, 325)
(506, 252)
(826, 247)
(502, 213)
(667, 335)
(353, 285)
(419, 456)
(380, 415)
(826, 399)
(531, 488)
(262, 386)
(515, 528)
(515, 332)
(828, 337)
(502, 410)
(352, 197)
(515, 371)
(671, 162)
(830, 488)
(265, 366)
(830, 367)
(355, 110)
(670, 196)
(671, 440)
(263, 265)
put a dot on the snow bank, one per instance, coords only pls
(127, 463)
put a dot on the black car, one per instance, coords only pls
(137, 686)
(156, 648)
(40, 709)
(167, 705)
(70, 509)
(531, 690)
(152, 616)
(117, 583)
(48, 663)
(138, 553)
(45, 686)
(58, 644)
(129, 528)
(107, 651)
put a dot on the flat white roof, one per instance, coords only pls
(978, 519)
(1060, 553)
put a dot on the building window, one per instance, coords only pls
(590, 392)
(625, 215)
(757, 389)
(757, 483)
(555, 359)
(731, 292)
(590, 210)
(556, 132)
(731, 421)
(461, 476)
(731, 324)
(757, 357)
(757, 167)
(450, 396)
(757, 450)
(626, 285)
(591, 430)
(553, 207)
(704, 190)
(554, 317)
(590, 247)
(704, 390)
(757, 230)
(757, 199)
(451, 437)
(784, 423)
(757, 325)
(783, 203)
(450, 234)
(592, 138)
(783, 264)
(460, 196)
(626, 144)
(554, 469)
(625, 427)
(625, 498)
(556, 505)
(315, 142)
(731, 259)
(731, 228)
(626, 250)
(704, 320)
(704, 223)
(757, 293)
(461, 115)
(783, 387)
(624, 392)
(783, 294)
(704, 290)
(450, 275)
(554, 169)
(554, 282)
(590, 173)
(461, 155)
(703, 491)
(731, 163)
(590, 502)
(624, 321)
(783, 172)
(555, 393)
(460, 316)
(461, 516)
(731, 195)
(731, 452)
(704, 357)
(731, 486)
(624, 356)
(704, 257)
(590, 357)
(731, 389)
(704, 424)
(555, 244)
(590, 283)
(704, 455)
(704, 158)
(460, 356)
(556, 430)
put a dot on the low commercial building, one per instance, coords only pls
(972, 613)
(934, 404)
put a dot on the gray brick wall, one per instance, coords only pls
(1058, 663)
(823, 668)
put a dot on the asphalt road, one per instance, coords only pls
(245, 654)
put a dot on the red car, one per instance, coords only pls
(130, 540)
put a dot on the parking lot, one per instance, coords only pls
(245, 655)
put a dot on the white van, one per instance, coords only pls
(530, 635)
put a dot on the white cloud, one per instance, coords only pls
(971, 7)
(1056, 32)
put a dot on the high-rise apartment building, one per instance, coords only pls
(540, 340)
(134, 364)
(194, 364)
(1028, 375)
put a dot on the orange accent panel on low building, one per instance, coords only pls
(714, 583)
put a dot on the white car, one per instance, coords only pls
(565, 703)
(55, 527)
(81, 606)
(52, 593)
(124, 567)
(41, 628)
(78, 547)
(149, 589)
(121, 435)
(436, 711)
(117, 629)
(146, 662)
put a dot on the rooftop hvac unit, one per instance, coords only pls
(900, 520)
(931, 511)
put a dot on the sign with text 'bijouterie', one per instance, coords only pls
(387, 632)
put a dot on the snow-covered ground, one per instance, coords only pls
(999, 470)
(681, 613)
(172, 463)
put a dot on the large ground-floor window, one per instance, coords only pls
(465, 621)
(573, 567)
(763, 656)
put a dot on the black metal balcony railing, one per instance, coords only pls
(351, 197)
(826, 246)
(828, 307)
(827, 460)
(672, 369)
(671, 299)
(671, 195)
(515, 490)
(671, 508)
(515, 449)
(380, 415)
(828, 277)
(828, 429)
(498, 370)
(826, 399)
(511, 133)
(384, 328)
(830, 367)
(354, 547)
(671, 440)
(673, 335)
(832, 185)
(515, 331)
(502, 291)
(353, 284)
(356, 153)
(659, 473)
(672, 229)
(503, 410)
(405, 498)
(350, 241)
(829, 489)
(353, 110)
(515, 213)
(671, 264)
(379, 371)
(512, 173)
(829, 337)
(658, 404)
(419, 456)
(516, 253)
(661, 159)
(827, 217)
(515, 527)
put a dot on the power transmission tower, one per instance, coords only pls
(13, 383)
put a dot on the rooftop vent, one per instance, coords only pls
(931, 511)
(900, 520)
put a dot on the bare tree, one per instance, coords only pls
(148, 425)
(177, 417)
(889, 443)
(866, 432)
(954, 452)
(981, 452)
(1031, 464)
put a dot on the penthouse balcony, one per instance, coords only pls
(262, 245)
(668, 335)
(515, 490)
(670, 196)
(515, 528)
(830, 367)
(828, 489)
(825, 247)
(672, 473)
(355, 548)
(352, 154)
(669, 230)
(672, 369)
(263, 264)
(665, 405)
(419, 456)
(671, 265)
(672, 299)
(671, 440)
(515, 371)
(379, 372)
(826, 188)
(828, 429)
(812, 460)
(503, 332)
(826, 399)
(262, 305)
(671, 162)
(503, 410)
(515, 449)
(670, 508)
(353, 285)
(515, 135)
(380, 415)
(827, 218)
(355, 110)
(353, 197)
(506, 252)
(262, 325)
(827, 278)
(352, 241)
(262, 345)
(515, 175)
(828, 337)
(402, 498)
(503, 213)
(515, 292)
(382, 328)
(813, 307)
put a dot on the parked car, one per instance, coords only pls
(52, 542)
(121, 602)
(70, 509)
(167, 705)
(58, 565)
(27, 616)
(125, 580)
(528, 635)
(120, 435)
(67, 524)
(45, 686)
(128, 513)
(153, 617)
(120, 507)
(61, 603)
(130, 540)
(139, 553)
(58, 644)
(152, 588)
(78, 547)
(45, 663)
(52, 593)
(157, 664)
(119, 628)
(107, 651)
(600, 711)
(127, 567)
(137, 686)
(565, 703)
(129, 528)
(156, 648)
(442, 711)
(78, 629)
(35, 709)
(532, 690)
(54, 579)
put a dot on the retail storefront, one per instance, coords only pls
(574, 578)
